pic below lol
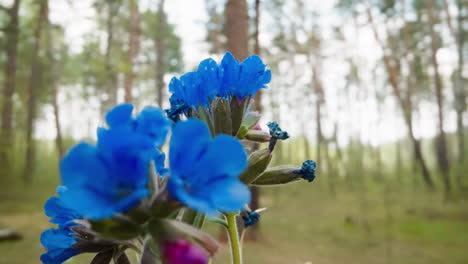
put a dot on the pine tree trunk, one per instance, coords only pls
(34, 85)
(237, 26)
(133, 48)
(459, 87)
(6, 132)
(441, 140)
(53, 82)
(111, 81)
(160, 45)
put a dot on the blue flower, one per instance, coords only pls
(112, 176)
(307, 170)
(226, 80)
(250, 218)
(204, 171)
(59, 241)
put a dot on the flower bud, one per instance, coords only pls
(307, 170)
(250, 218)
(276, 133)
(278, 175)
(258, 162)
(183, 252)
(258, 136)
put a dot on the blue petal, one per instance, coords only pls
(82, 165)
(230, 75)
(58, 256)
(57, 238)
(152, 122)
(119, 115)
(210, 81)
(189, 140)
(229, 195)
(59, 213)
(88, 182)
(159, 159)
(225, 156)
(176, 188)
(127, 155)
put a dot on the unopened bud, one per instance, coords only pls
(258, 162)
(258, 136)
(183, 252)
(307, 170)
(278, 175)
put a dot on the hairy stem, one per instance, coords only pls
(236, 252)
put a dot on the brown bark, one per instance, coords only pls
(460, 92)
(133, 48)
(236, 28)
(111, 82)
(404, 104)
(11, 48)
(53, 82)
(160, 45)
(441, 140)
(34, 85)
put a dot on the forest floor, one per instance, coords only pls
(304, 224)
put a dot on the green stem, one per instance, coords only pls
(234, 238)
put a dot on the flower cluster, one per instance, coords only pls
(227, 80)
(120, 193)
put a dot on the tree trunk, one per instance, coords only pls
(34, 85)
(160, 45)
(237, 26)
(53, 82)
(441, 140)
(133, 48)
(11, 48)
(111, 82)
(405, 107)
(459, 89)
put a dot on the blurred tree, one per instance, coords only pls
(160, 45)
(237, 28)
(214, 27)
(404, 98)
(441, 140)
(133, 49)
(32, 92)
(163, 50)
(11, 47)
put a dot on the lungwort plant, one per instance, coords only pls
(121, 200)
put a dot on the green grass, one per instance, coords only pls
(304, 223)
